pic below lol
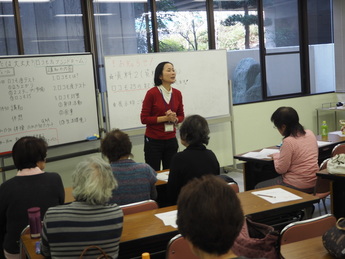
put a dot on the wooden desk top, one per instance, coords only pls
(307, 249)
(252, 204)
(146, 224)
(333, 139)
(325, 174)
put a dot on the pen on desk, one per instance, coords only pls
(265, 195)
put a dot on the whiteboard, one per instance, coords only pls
(47, 96)
(201, 76)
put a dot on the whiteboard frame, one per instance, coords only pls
(99, 113)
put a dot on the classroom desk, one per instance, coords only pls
(69, 197)
(311, 248)
(145, 232)
(258, 170)
(337, 192)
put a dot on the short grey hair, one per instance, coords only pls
(93, 181)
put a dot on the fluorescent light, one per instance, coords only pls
(69, 15)
(6, 15)
(121, 1)
(27, 1)
(78, 14)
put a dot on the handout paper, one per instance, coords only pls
(322, 143)
(276, 195)
(163, 176)
(339, 133)
(168, 218)
(262, 154)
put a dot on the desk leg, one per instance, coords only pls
(338, 198)
(255, 172)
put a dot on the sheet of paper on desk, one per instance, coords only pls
(168, 218)
(276, 195)
(163, 176)
(322, 143)
(262, 154)
(337, 133)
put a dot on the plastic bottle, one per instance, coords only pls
(145, 256)
(324, 130)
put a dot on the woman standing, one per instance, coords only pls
(162, 110)
(297, 161)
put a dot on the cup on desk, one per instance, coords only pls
(34, 215)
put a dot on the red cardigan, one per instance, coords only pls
(155, 106)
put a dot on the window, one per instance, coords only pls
(52, 26)
(236, 29)
(282, 50)
(182, 25)
(8, 41)
(321, 46)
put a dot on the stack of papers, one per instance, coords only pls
(168, 218)
(163, 176)
(323, 143)
(262, 154)
(276, 195)
(339, 133)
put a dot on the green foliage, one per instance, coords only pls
(169, 45)
(244, 19)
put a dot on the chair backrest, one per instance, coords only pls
(305, 229)
(231, 182)
(139, 207)
(324, 164)
(338, 149)
(323, 186)
(235, 187)
(178, 248)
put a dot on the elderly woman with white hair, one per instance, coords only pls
(89, 220)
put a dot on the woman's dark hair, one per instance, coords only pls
(287, 116)
(28, 151)
(194, 130)
(115, 145)
(209, 214)
(159, 72)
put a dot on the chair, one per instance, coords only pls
(230, 181)
(22, 253)
(305, 229)
(322, 187)
(235, 187)
(338, 149)
(139, 207)
(178, 248)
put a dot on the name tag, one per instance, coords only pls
(168, 127)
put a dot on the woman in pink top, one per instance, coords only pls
(297, 161)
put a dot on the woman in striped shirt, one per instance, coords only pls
(68, 229)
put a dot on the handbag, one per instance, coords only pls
(334, 239)
(102, 256)
(336, 164)
(257, 240)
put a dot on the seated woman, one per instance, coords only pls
(89, 220)
(136, 180)
(31, 187)
(297, 161)
(195, 160)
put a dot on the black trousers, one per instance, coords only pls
(159, 151)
